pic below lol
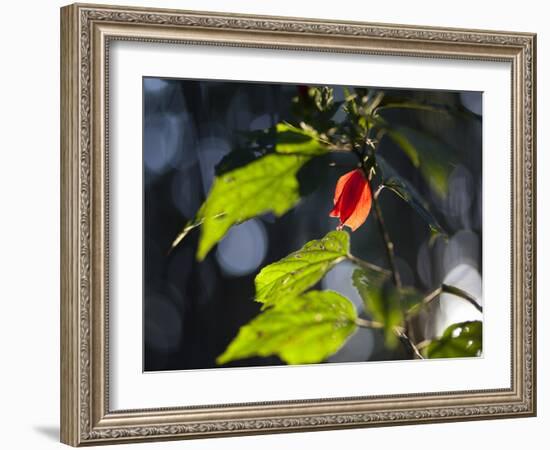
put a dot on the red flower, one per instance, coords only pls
(352, 200)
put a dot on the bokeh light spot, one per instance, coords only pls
(243, 249)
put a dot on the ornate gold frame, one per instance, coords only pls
(86, 31)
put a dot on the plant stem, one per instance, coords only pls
(403, 335)
(339, 148)
(364, 323)
(432, 296)
(367, 265)
(378, 191)
(370, 324)
(462, 294)
(388, 244)
(445, 288)
(408, 343)
(436, 293)
(188, 228)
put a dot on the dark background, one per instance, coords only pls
(193, 310)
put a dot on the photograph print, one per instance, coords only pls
(292, 224)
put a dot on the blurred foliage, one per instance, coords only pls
(386, 303)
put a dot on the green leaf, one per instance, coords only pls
(254, 181)
(256, 143)
(284, 138)
(300, 270)
(384, 301)
(267, 184)
(434, 159)
(460, 340)
(300, 330)
(294, 140)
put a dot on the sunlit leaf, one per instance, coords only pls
(253, 181)
(386, 303)
(294, 140)
(300, 270)
(459, 340)
(284, 138)
(268, 184)
(300, 330)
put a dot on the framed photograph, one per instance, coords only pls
(277, 224)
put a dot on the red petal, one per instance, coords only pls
(336, 210)
(341, 183)
(351, 194)
(361, 211)
(352, 199)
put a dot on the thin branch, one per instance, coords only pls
(367, 265)
(189, 228)
(400, 332)
(378, 191)
(408, 343)
(423, 344)
(432, 296)
(364, 323)
(425, 302)
(462, 294)
(388, 244)
(445, 288)
(345, 148)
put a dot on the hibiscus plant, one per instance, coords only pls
(297, 322)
